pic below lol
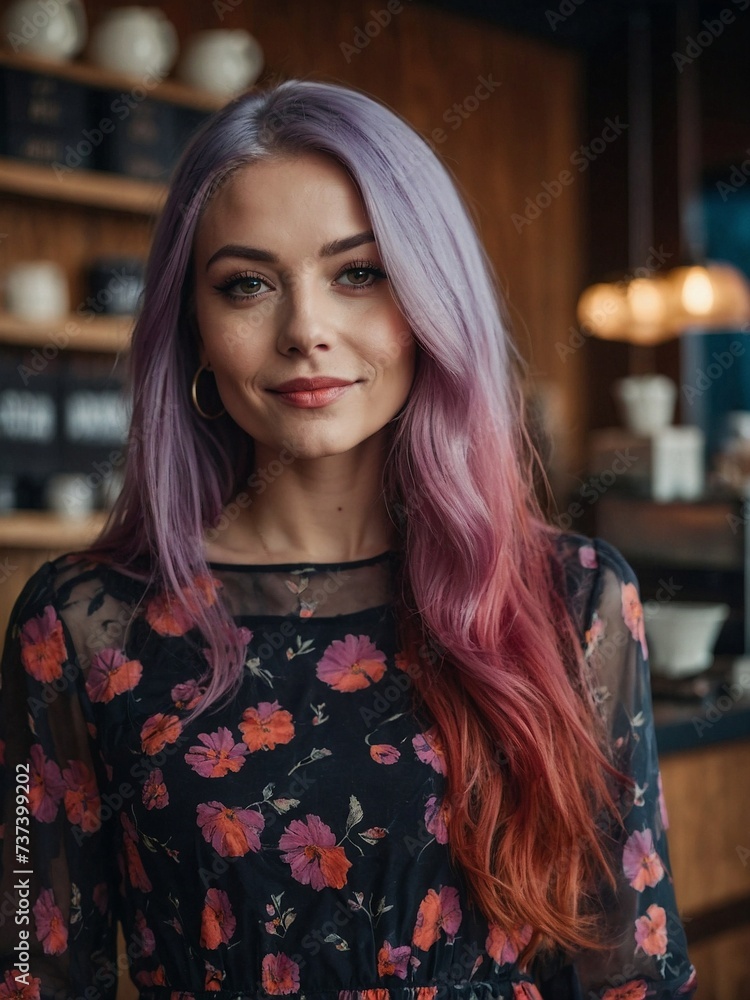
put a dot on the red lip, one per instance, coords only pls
(310, 384)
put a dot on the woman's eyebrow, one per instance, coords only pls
(256, 253)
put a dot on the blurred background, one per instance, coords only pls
(604, 150)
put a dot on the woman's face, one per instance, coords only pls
(289, 284)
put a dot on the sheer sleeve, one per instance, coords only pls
(58, 867)
(648, 957)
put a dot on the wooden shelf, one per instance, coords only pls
(42, 529)
(168, 90)
(98, 333)
(84, 187)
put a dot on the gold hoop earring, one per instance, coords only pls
(194, 396)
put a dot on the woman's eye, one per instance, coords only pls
(243, 286)
(360, 277)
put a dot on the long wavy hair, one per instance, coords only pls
(494, 655)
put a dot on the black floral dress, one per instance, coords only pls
(294, 841)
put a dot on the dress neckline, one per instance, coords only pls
(391, 554)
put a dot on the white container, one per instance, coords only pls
(677, 470)
(681, 635)
(646, 402)
(51, 31)
(69, 495)
(222, 61)
(134, 40)
(37, 290)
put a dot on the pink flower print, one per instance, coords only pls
(136, 872)
(632, 613)
(144, 935)
(82, 802)
(232, 832)
(51, 928)
(155, 794)
(111, 674)
(267, 726)
(218, 756)
(280, 974)
(690, 983)
(435, 815)
(393, 961)
(587, 557)
(651, 931)
(14, 988)
(186, 695)
(637, 989)
(352, 664)
(429, 749)
(46, 786)
(43, 646)
(503, 947)
(312, 854)
(640, 862)
(662, 804)
(437, 911)
(384, 753)
(218, 923)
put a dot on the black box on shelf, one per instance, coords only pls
(29, 419)
(43, 119)
(138, 138)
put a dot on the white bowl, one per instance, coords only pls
(681, 635)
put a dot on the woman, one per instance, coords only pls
(329, 710)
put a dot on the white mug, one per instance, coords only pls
(37, 290)
(69, 495)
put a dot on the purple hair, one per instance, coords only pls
(458, 478)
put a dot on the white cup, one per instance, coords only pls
(647, 402)
(677, 464)
(37, 290)
(69, 495)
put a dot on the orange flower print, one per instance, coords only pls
(594, 635)
(312, 853)
(384, 753)
(640, 862)
(219, 756)
(651, 931)
(393, 961)
(280, 974)
(82, 802)
(373, 995)
(526, 991)
(43, 646)
(218, 923)
(437, 911)
(429, 749)
(267, 726)
(632, 613)
(13, 987)
(136, 872)
(214, 978)
(157, 731)
(636, 990)
(155, 794)
(231, 831)
(352, 664)
(436, 819)
(426, 992)
(504, 947)
(111, 674)
(51, 928)
(168, 617)
(46, 786)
